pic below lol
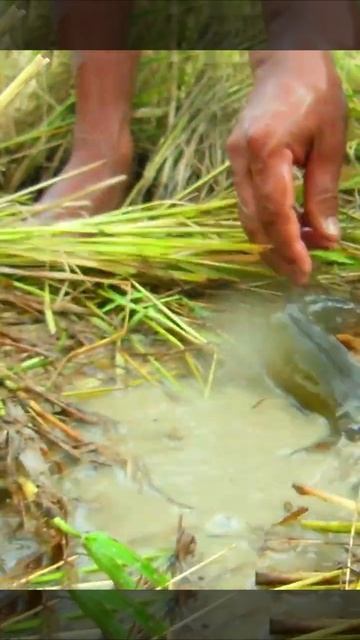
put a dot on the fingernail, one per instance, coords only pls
(331, 226)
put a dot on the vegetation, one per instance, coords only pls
(134, 286)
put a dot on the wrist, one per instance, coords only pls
(295, 60)
(309, 25)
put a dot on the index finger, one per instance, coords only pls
(272, 181)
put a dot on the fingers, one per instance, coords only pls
(244, 190)
(273, 184)
(321, 182)
(314, 240)
(264, 185)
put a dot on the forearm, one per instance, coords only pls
(92, 25)
(314, 24)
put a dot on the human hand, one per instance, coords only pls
(295, 116)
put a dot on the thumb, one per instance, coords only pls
(321, 181)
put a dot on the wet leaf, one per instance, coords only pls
(139, 612)
(293, 516)
(334, 256)
(95, 605)
(104, 551)
(65, 527)
(111, 556)
(34, 363)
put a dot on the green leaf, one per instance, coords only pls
(334, 257)
(59, 523)
(129, 603)
(110, 555)
(34, 363)
(95, 605)
(104, 551)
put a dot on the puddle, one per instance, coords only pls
(226, 456)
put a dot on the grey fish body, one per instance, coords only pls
(310, 365)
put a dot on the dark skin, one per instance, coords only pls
(305, 129)
(104, 83)
(295, 116)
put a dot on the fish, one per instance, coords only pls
(334, 314)
(306, 362)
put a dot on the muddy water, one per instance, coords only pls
(227, 457)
